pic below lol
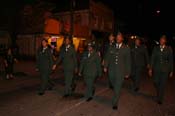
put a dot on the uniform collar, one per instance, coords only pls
(137, 46)
(90, 53)
(44, 48)
(119, 45)
(111, 42)
(68, 46)
(162, 46)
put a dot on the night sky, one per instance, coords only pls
(146, 17)
(131, 16)
(143, 17)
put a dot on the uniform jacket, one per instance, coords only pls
(44, 59)
(91, 66)
(119, 58)
(139, 56)
(162, 60)
(68, 58)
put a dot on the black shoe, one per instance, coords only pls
(74, 87)
(89, 99)
(136, 89)
(159, 102)
(50, 88)
(110, 87)
(66, 95)
(115, 108)
(41, 94)
(93, 93)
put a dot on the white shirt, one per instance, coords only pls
(162, 47)
(118, 45)
(67, 47)
(44, 49)
(89, 54)
(111, 42)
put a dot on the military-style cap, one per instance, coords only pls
(163, 36)
(68, 37)
(45, 40)
(119, 33)
(91, 44)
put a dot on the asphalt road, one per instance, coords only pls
(24, 101)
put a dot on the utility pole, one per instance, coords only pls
(72, 5)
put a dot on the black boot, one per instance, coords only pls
(41, 93)
(66, 95)
(89, 99)
(136, 89)
(115, 107)
(50, 88)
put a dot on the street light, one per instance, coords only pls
(158, 11)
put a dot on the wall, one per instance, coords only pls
(101, 17)
(81, 23)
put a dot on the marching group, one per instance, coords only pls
(119, 62)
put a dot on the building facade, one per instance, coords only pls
(81, 22)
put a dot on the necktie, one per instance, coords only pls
(117, 46)
(66, 49)
(89, 54)
(43, 50)
(161, 48)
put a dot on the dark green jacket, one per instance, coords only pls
(91, 66)
(118, 60)
(109, 46)
(68, 58)
(139, 56)
(44, 59)
(162, 61)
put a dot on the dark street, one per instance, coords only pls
(87, 58)
(19, 97)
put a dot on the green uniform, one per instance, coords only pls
(140, 60)
(69, 61)
(109, 46)
(118, 62)
(90, 67)
(162, 65)
(44, 64)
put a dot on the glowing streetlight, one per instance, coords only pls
(158, 11)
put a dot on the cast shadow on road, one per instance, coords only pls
(128, 86)
(103, 100)
(59, 90)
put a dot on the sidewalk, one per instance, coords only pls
(24, 76)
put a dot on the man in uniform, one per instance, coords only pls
(90, 67)
(118, 64)
(111, 40)
(161, 67)
(44, 66)
(140, 61)
(69, 59)
(110, 45)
